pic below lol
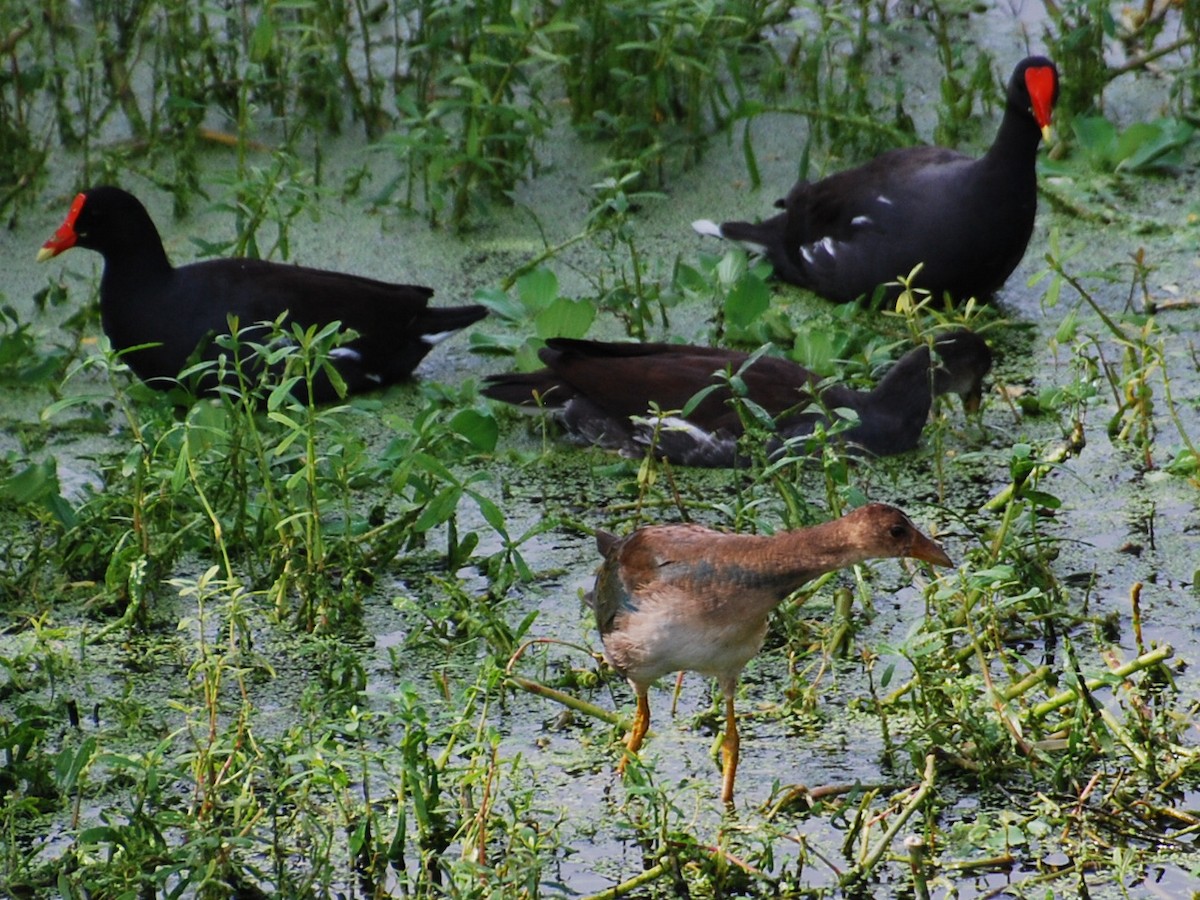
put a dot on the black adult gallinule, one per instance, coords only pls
(602, 393)
(144, 300)
(967, 220)
(672, 598)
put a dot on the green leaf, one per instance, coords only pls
(698, 398)
(748, 155)
(760, 415)
(439, 509)
(732, 267)
(1151, 145)
(1068, 327)
(34, 483)
(480, 429)
(70, 762)
(1142, 138)
(1053, 292)
(537, 289)
(526, 357)
(815, 350)
(491, 513)
(1097, 138)
(102, 834)
(564, 318)
(1041, 498)
(494, 344)
(501, 304)
(1184, 463)
(262, 38)
(748, 300)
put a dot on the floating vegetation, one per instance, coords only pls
(257, 647)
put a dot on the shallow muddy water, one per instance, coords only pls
(1121, 522)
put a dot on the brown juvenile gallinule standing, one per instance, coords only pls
(144, 300)
(672, 598)
(602, 393)
(967, 220)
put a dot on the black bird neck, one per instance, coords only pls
(1016, 140)
(891, 418)
(116, 225)
(907, 382)
(137, 253)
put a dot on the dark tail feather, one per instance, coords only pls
(765, 235)
(606, 541)
(525, 389)
(557, 349)
(770, 238)
(436, 323)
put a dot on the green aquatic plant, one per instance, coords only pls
(1077, 37)
(169, 727)
(1142, 147)
(470, 104)
(535, 301)
(633, 294)
(22, 155)
(652, 79)
(261, 198)
(271, 486)
(1082, 34)
(1133, 336)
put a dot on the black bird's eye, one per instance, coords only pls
(898, 530)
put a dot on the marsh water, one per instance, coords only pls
(808, 718)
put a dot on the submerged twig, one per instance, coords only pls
(631, 884)
(568, 700)
(867, 863)
(802, 793)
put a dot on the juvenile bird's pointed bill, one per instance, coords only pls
(929, 551)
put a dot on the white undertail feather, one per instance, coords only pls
(705, 442)
(709, 228)
(675, 423)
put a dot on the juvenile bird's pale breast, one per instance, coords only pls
(666, 635)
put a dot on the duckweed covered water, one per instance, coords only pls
(406, 723)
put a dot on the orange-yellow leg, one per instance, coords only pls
(678, 691)
(641, 724)
(729, 751)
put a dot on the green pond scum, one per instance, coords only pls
(251, 647)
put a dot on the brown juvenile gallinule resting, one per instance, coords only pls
(144, 300)
(602, 393)
(967, 220)
(672, 598)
